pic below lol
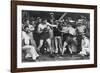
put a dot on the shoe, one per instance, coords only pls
(52, 55)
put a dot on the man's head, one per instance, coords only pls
(44, 21)
(33, 23)
(68, 25)
(39, 19)
(84, 35)
(79, 22)
(26, 29)
(51, 13)
(26, 21)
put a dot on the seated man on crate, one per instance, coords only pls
(28, 42)
(85, 46)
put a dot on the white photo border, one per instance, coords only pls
(21, 64)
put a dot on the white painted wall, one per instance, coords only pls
(5, 36)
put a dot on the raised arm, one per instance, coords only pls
(51, 25)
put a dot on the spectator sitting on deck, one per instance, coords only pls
(29, 43)
(85, 46)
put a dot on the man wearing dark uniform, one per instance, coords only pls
(58, 37)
